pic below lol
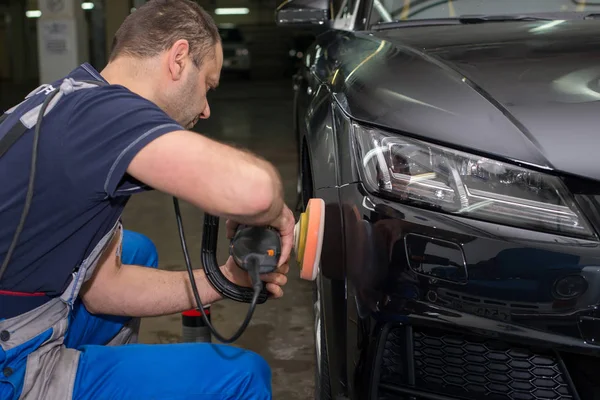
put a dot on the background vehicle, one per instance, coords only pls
(236, 55)
(455, 145)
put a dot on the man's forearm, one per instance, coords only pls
(145, 292)
(219, 179)
(275, 207)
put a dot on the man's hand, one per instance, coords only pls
(284, 223)
(274, 280)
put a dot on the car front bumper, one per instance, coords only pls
(452, 308)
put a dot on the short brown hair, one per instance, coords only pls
(158, 24)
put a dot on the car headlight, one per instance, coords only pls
(427, 175)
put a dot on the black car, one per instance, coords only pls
(457, 146)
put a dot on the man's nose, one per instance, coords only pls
(206, 113)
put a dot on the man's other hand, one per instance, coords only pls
(274, 280)
(285, 225)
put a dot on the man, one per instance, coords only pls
(75, 285)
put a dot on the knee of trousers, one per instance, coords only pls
(239, 371)
(138, 249)
(257, 373)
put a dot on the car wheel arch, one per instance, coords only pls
(333, 303)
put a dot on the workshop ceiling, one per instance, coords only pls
(33, 4)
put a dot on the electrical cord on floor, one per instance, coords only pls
(32, 173)
(253, 271)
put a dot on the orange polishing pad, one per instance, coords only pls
(309, 238)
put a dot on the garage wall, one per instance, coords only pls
(269, 44)
(268, 48)
(4, 60)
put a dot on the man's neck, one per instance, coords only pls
(132, 74)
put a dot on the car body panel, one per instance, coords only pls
(320, 135)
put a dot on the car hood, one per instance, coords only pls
(522, 91)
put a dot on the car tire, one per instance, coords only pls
(322, 382)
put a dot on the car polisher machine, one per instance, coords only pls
(255, 249)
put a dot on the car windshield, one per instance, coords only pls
(385, 11)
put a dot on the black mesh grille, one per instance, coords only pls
(473, 368)
(393, 363)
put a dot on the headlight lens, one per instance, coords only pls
(432, 176)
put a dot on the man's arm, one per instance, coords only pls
(133, 290)
(219, 179)
(215, 177)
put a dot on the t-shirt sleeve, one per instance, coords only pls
(107, 127)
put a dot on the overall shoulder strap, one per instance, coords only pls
(11, 136)
(29, 119)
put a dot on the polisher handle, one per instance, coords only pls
(211, 267)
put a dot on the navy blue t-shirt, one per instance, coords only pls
(86, 144)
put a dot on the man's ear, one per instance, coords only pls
(178, 58)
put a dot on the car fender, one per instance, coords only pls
(320, 137)
(320, 172)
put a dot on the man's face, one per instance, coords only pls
(186, 100)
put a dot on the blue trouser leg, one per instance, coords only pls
(171, 371)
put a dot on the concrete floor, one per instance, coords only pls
(255, 115)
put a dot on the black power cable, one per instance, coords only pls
(253, 271)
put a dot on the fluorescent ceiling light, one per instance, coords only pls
(88, 5)
(232, 11)
(33, 14)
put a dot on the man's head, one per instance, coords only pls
(173, 48)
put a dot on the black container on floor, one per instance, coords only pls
(193, 327)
